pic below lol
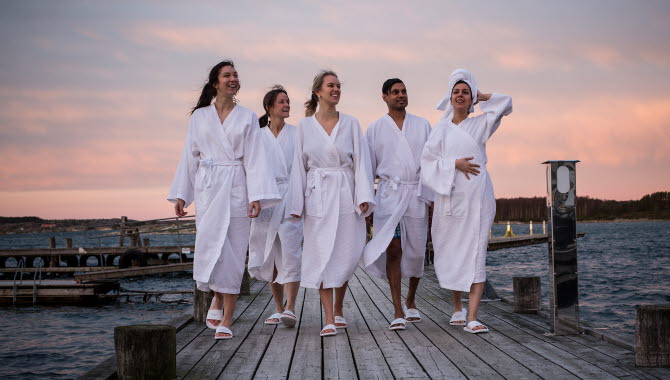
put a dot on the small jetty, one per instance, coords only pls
(61, 292)
(519, 345)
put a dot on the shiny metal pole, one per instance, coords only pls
(562, 244)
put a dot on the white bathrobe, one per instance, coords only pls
(396, 160)
(223, 167)
(464, 209)
(330, 178)
(275, 242)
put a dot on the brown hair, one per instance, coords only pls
(208, 91)
(268, 101)
(313, 101)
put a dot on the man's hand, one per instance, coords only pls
(254, 209)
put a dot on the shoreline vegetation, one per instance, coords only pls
(650, 208)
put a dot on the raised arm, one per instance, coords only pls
(494, 106)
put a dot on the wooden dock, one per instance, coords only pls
(60, 292)
(518, 347)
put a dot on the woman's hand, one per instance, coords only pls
(254, 209)
(464, 165)
(481, 97)
(179, 208)
(364, 207)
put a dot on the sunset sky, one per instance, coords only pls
(95, 95)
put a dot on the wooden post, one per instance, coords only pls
(544, 227)
(146, 352)
(145, 242)
(652, 336)
(527, 294)
(134, 239)
(122, 230)
(52, 242)
(68, 242)
(531, 228)
(201, 302)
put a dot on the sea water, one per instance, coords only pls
(621, 265)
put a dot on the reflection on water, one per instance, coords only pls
(620, 265)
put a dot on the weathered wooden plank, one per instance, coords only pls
(276, 361)
(369, 359)
(611, 358)
(338, 361)
(245, 361)
(214, 361)
(307, 357)
(433, 359)
(536, 363)
(536, 341)
(133, 272)
(401, 361)
(193, 352)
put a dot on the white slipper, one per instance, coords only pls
(276, 316)
(411, 313)
(288, 318)
(400, 322)
(341, 322)
(214, 314)
(459, 318)
(470, 328)
(223, 330)
(328, 327)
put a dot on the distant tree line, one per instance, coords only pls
(651, 206)
(20, 219)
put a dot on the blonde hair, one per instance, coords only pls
(313, 101)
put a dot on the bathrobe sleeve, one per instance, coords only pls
(295, 196)
(438, 168)
(261, 184)
(363, 179)
(370, 138)
(184, 179)
(494, 109)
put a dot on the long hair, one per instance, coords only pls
(313, 101)
(268, 101)
(208, 91)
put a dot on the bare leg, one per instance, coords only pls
(291, 294)
(393, 259)
(458, 305)
(339, 299)
(411, 292)
(327, 304)
(229, 303)
(476, 291)
(277, 294)
(217, 304)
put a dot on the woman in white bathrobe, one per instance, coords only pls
(275, 243)
(331, 181)
(223, 169)
(454, 176)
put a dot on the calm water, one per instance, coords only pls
(621, 265)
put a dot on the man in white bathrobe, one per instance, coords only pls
(398, 246)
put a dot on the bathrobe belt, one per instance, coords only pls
(393, 184)
(316, 174)
(207, 165)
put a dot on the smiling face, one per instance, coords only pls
(330, 91)
(281, 107)
(228, 82)
(461, 97)
(396, 99)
